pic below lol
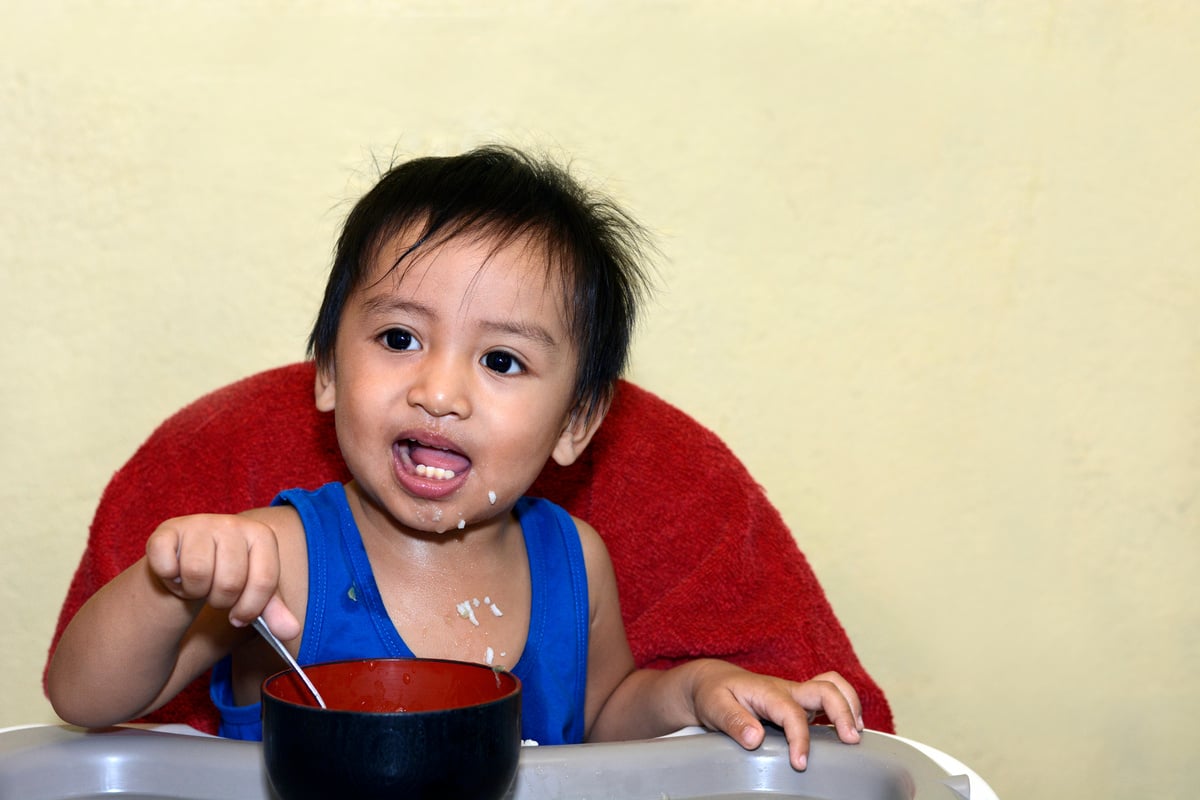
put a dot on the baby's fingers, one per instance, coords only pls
(728, 715)
(848, 692)
(830, 694)
(230, 562)
(162, 556)
(247, 573)
(280, 619)
(741, 720)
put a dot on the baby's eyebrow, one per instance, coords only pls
(531, 331)
(383, 305)
(388, 304)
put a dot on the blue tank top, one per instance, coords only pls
(346, 617)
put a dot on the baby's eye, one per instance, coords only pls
(502, 362)
(399, 339)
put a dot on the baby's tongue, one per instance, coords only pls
(433, 457)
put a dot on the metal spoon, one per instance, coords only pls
(261, 626)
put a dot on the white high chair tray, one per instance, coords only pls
(61, 762)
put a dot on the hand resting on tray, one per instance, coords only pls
(722, 696)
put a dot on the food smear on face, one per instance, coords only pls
(491, 497)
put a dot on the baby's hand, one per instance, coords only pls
(228, 562)
(731, 699)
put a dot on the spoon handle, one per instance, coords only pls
(261, 626)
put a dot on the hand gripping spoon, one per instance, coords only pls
(261, 626)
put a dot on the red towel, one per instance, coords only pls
(704, 562)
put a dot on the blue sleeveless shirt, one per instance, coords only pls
(346, 617)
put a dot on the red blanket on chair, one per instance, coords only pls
(704, 563)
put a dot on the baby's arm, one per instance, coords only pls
(628, 703)
(166, 619)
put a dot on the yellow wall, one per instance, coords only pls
(931, 269)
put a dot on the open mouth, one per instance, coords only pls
(431, 461)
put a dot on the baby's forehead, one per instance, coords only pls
(401, 252)
(408, 261)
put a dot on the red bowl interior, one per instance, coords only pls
(388, 685)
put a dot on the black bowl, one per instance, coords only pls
(394, 728)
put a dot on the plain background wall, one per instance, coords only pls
(929, 267)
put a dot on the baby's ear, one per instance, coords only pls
(324, 389)
(579, 430)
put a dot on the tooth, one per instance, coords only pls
(434, 472)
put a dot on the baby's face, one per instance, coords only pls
(452, 381)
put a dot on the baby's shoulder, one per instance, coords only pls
(594, 549)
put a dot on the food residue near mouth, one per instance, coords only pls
(491, 497)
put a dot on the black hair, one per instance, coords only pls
(598, 249)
